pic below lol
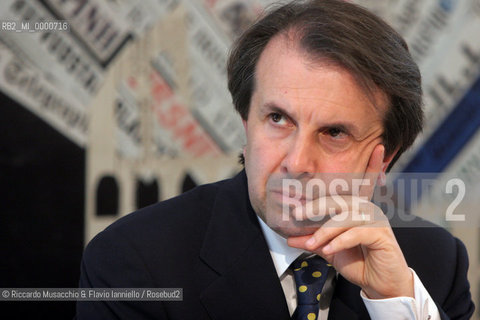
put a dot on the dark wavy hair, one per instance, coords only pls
(347, 35)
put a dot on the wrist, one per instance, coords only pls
(404, 288)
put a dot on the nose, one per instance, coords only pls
(301, 158)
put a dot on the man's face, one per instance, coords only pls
(305, 118)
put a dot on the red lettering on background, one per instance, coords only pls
(177, 118)
(171, 117)
(160, 89)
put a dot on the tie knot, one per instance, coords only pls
(310, 276)
(310, 263)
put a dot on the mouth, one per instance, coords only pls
(287, 196)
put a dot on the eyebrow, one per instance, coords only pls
(344, 126)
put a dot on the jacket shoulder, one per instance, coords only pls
(182, 211)
(150, 237)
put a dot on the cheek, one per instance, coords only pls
(351, 161)
(258, 157)
(339, 163)
(261, 160)
(363, 155)
(257, 145)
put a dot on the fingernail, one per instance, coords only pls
(310, 242)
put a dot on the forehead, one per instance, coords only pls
(283, 64)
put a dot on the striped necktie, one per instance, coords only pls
(310, 276)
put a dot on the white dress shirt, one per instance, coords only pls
(422, 307)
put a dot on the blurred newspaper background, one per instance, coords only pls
(137, 88)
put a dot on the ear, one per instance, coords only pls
(244, 124)
(382, 177)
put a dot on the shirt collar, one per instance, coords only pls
(282, 254)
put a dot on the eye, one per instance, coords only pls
(278, 118)
(336, 133)
(335, 138)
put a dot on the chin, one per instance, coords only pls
(289, 228)
(293, 231)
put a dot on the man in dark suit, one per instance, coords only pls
(322, 87)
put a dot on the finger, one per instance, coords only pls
(374, 168)
(298, 242)
(324, 208)
(354, 237)
(332, 228)
(336, 226)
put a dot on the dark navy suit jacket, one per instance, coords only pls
(208, 241)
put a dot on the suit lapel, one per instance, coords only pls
(246, 285)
